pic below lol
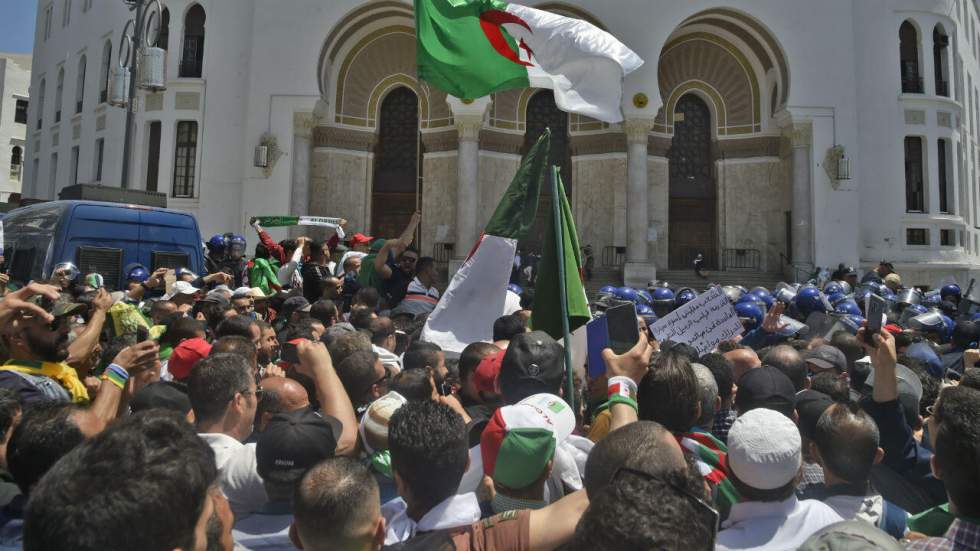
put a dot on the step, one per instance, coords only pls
(687, 278)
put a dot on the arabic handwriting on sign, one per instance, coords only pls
(703, 323)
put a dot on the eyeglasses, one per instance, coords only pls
(710, 513)
(408, 260)
(258, 392)
(385, 378)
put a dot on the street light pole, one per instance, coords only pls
(134, 52)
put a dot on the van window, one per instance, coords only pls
(169, 259)
(27, 238)
(101, 260)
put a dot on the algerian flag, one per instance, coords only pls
(547, 312)
(471, 48)
(476, 296)
(280, 221)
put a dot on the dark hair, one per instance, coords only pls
(429, 450)
(344, 345)
(641, 445)
(749, 493)
(141, 484)
(830, 383)
(668, 393)
(333, 500)
(683, 349)
(636, 513)
(958, 447)
(853, 351)
(9, 408)
(971, 378)
(471, 356)
(410, 249)
(414, 384)
(180, 329)
(236, 325)
(316, 248)
(507, 327)
(158, 306)
(300, 329)
(847, 438)
(367, 297)
(380, 328)
(325, 311)
(234, 344)
(45, 434)
(420, 355)
(424, 263)
(361, 318)
(261, 251)
(790, 362)
(930, 385)
(213, 383)
(721, 368)
(114, 346)
(288, 246)
(214, 313)
(357, 374)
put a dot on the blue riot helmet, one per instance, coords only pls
(684, 296)
(853, 323)
(515, 288)
(786, 295)
(216, 245)
(952, 290)
(235, 246)
(932, 299)
(848, 307)
(933, 322)
(808, 300)
(644, 310)
(137, 273)
(625, 293)
(663, 301)
(911, 311)
(750, 314)
(832, 288)
(607, 290)
(836, 298)
(845, 287)
(761, 291)
(752, 299)
(764, 296)
(644, 297)
(733, 293)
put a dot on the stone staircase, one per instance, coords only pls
(687, 278)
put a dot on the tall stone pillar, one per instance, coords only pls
(638, 270)
(299, 190)
(469, 120)
(801, 139)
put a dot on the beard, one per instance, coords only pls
(50, 347)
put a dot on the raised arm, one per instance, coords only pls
(555, 524)
(408, 235)
(381, 261)
(314, 361)
(625, 373)
(81, 348)
(274, 248)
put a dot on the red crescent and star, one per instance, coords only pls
(491, 21)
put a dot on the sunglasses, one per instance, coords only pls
(385, 378)
(408, 260)
(710, 514)
(258, 392)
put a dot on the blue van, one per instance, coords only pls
(98, 237)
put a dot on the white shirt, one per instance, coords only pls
(264, 532)
(238, 474)
(454, 511)
(870, 509)
(774, 526)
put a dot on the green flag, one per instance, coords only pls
(546, 315)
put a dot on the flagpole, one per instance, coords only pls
(562, 288)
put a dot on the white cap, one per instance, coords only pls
(241, 292)
(181, 288)
(257, 293)
(374, 423)
(542, 411)
(764, 449)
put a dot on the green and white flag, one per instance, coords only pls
(282, 221)
(472, 48)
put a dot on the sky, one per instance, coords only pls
(17, 26)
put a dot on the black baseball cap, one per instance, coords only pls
(296, 440)
(810, 405)
(161, 395)
(766, 387)
(533, 364)
(826, 356)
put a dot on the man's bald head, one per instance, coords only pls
(742, 360)
(289, 395)
(644, 445)
(786, 359)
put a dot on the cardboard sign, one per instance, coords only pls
(703, 323)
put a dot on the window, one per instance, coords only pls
(153, 157)
(80, 86)
(58, 93)
(908, 49)
(163, 37)
(48, 14)
(99, 151)
(53, 175)
(74, 165)
(40, 104)
(914, 196)
(66, 17)
(192, 56)
(940, 58)
(16, 162)
(185, 159)
(106, 71)
(917, 236)
(943, 158)
(20, 111)
(947, 238)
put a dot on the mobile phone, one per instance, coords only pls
(288, 353)
(875, 308)
(142, 334)
(622, 327)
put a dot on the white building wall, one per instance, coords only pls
(15, 77)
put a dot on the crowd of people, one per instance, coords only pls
(287, 401)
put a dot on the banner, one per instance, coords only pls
(280, 221)
(703, 323)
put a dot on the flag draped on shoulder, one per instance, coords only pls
(547, 312)
(472, 48)
(476, 296)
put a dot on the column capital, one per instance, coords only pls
(321, 112)
(637, 130)
(468, 115)
(303, 124)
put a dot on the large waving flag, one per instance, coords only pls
(476, 296)
(472, 48)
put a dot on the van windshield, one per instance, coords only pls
(27, 238)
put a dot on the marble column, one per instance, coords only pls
(801, 138)
(468, 117)
(638, 270)
(299, 194)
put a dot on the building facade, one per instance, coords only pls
(767, 135)
(15, 78)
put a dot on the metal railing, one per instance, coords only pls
(442, 252)
(742, 259)
(613, 257)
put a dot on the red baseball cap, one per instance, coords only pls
(185, 355)
(485, 375)
(359, 238)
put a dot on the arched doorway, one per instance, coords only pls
(693, 197)
(395, 194)
(542, 113)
